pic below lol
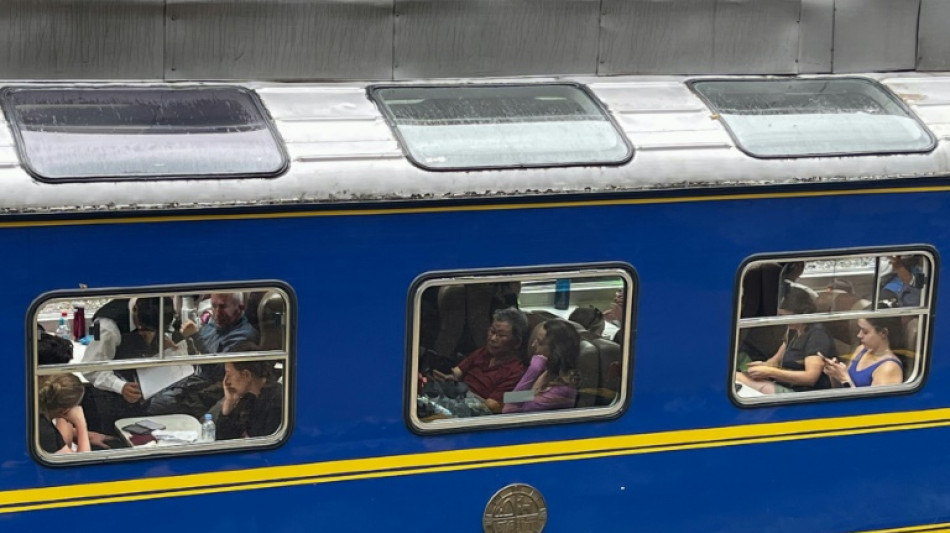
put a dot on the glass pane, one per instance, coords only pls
(832, 325)
(502, 126)
(572, 327)
(778, 360)
(814, 117)
(843, 284)
(903, 281)
(142, 132)
(138, 366)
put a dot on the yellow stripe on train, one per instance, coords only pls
(468, 459)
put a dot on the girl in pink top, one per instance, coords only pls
(551, 374)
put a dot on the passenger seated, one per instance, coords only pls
(227, 328)
(798, 364)
(62, 421)
(903, 286)
(252, 404)
(126, 330)
(552, 374)
(873, 363)
(494, 369)
(591, 318)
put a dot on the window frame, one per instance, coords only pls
(926, 311)
(872, 82)
(254, 444)
(624, 271)
(10, 115)
(372, 90)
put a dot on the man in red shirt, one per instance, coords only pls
(494, 369)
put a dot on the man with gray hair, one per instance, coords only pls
(496, 368)
(225, 331)
(228, 326)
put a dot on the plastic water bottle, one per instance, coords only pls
(62, 330)
(207, 429)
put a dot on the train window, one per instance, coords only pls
(141, 373)
(70, 134)
(509, 349)
(814, 117)
(825, 325)
(496, 126)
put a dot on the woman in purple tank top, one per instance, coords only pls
(873, 363)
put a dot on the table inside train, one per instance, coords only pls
(179, 429)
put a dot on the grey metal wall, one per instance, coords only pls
(875, 35)
(933, 52)
(91, 39)
(279, 39)
(405, 39)
(461, 38)
(700, 36)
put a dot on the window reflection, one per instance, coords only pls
(519, 344)
(831, 324)
(166, 362)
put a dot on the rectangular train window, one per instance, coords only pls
(77, 134)
(825, 325)
(497, 126)
(507, 349)
(139, 373)
(814, 117)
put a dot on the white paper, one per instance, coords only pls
(183, 437)
(156, 378)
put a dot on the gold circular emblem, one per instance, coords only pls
(517, 508)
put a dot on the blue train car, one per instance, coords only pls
(576, 303)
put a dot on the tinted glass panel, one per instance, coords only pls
(781, 118)
(67, 134)
(557, 343)
(132, 374)
(832, 325)
(501, 126)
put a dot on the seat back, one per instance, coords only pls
(271, 317)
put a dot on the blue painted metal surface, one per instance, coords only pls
(351, 275)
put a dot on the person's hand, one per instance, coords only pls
(615, 313)
(188, 328)
(131, 392)
(100, 440)
(759, 370)
(835, 370)
(168, 343)
(439, 376)
(231, 398)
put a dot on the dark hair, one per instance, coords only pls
(798, 301)
(564, 345)
(518, 321)
(53, 350)
(589, 317)
(148, 311)
(891, 328)
(794, 270)
(261, 369)
(58, 393)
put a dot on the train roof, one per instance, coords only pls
(340, 148)
(312, 66)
